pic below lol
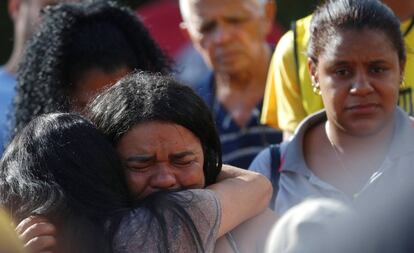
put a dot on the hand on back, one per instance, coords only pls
(37, 234)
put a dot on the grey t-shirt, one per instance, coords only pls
(139, 231)
(297, 181)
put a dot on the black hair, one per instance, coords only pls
(338, 15)
(61, 167)
(143, 97)
(75, 38)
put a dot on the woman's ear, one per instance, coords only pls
(313, 70)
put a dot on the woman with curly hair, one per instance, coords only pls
(78, 50)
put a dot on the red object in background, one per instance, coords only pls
(163, 18)
(275, 34)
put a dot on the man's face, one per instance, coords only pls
(229, 34)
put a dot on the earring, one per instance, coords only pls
(402, 83)
(316, 89)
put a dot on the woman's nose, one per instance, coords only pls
(164, 178)
(361, 85)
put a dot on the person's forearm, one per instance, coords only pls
(242, 194)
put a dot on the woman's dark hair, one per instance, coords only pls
(338, 15)
(143, 97)
(75, 38)
(61, 167)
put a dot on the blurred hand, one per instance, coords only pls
(37, 234)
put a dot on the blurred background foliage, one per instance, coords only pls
(287, 10)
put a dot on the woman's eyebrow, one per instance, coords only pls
(181, 154)
(140, 158)
(379, 61)
(336, 63)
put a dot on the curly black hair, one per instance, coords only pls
(73, 39)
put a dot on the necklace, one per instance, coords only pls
(335, 150)
(338, 158)
(341, 162)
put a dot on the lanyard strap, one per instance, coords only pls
(409, 28)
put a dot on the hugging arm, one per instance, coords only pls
(242, 194)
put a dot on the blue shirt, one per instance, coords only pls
(7, 85)
(239, 145)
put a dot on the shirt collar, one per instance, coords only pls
(293, 159)
(403, 136)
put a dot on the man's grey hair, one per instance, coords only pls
(185, 12)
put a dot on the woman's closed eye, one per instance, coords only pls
(183, 159)
(139, 163)
(184, 162)
(138, 168)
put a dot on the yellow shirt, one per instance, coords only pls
(8, 238)
(287, 102)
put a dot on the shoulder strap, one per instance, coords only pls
(409, 28)
(274, 171)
